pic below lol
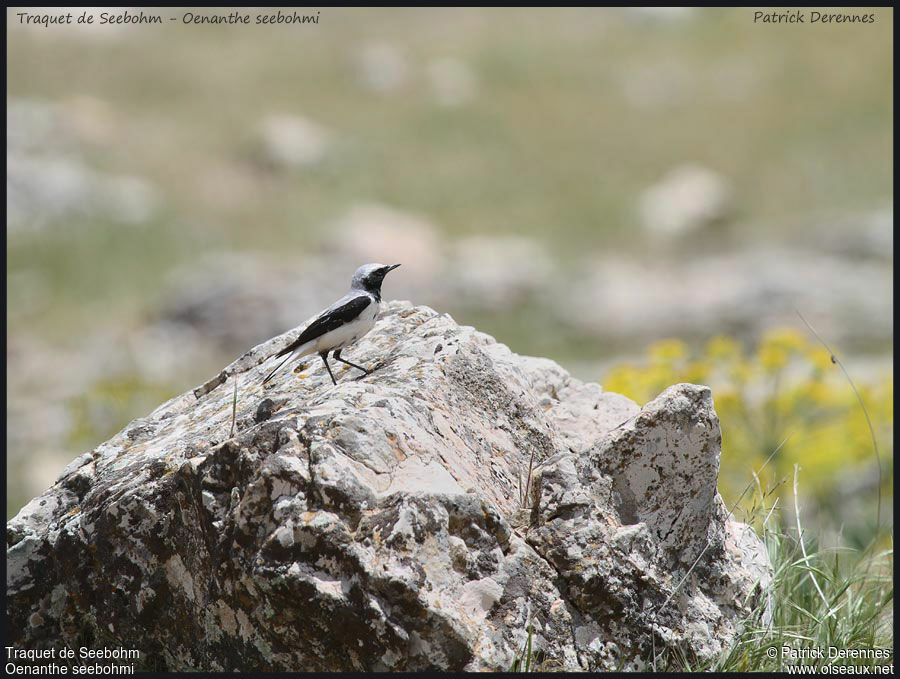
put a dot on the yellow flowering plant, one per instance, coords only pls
(787, 388)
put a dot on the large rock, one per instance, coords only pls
(389, 522)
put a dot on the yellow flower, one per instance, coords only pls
(696, 372)
(668, 351)
(740, 372)
(722, 347)
(771, 357)
(788, 339)
(820, 358)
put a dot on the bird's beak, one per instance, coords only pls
(391, 268)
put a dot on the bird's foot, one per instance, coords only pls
(369, 372)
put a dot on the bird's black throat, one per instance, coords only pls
(372, 285)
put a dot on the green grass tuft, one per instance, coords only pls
(838, 598)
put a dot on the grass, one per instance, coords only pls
(527, 658)
(94, 275)
(838, 598)
(853, 612)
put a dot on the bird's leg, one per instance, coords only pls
(337, 355)
(324, 356)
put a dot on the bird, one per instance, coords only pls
(342, 323)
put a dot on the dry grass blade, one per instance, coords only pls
(233, 407)
(837, 362)
(524, 498)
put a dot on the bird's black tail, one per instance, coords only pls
(277, 368)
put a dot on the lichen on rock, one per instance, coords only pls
(382, 524)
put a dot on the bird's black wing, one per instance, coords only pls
(332, 318)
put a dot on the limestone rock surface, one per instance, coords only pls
(389, 522)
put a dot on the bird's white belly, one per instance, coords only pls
(349, 332)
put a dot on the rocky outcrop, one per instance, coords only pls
(390, 522)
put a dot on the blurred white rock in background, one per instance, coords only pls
(130, 200)
(370, 232)
(41, 189)
(233, 300)
(293, 141)
(496, 271)
(45, 189)
(689, 197)
(35, 124)
(161, 350)
(228, 301)
(876, 237)
(867, 234)
(383, 67)
(744, 293)
(452, 81)
(31, 123)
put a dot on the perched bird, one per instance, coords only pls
(344, 322)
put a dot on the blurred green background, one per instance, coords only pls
(580, 183)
